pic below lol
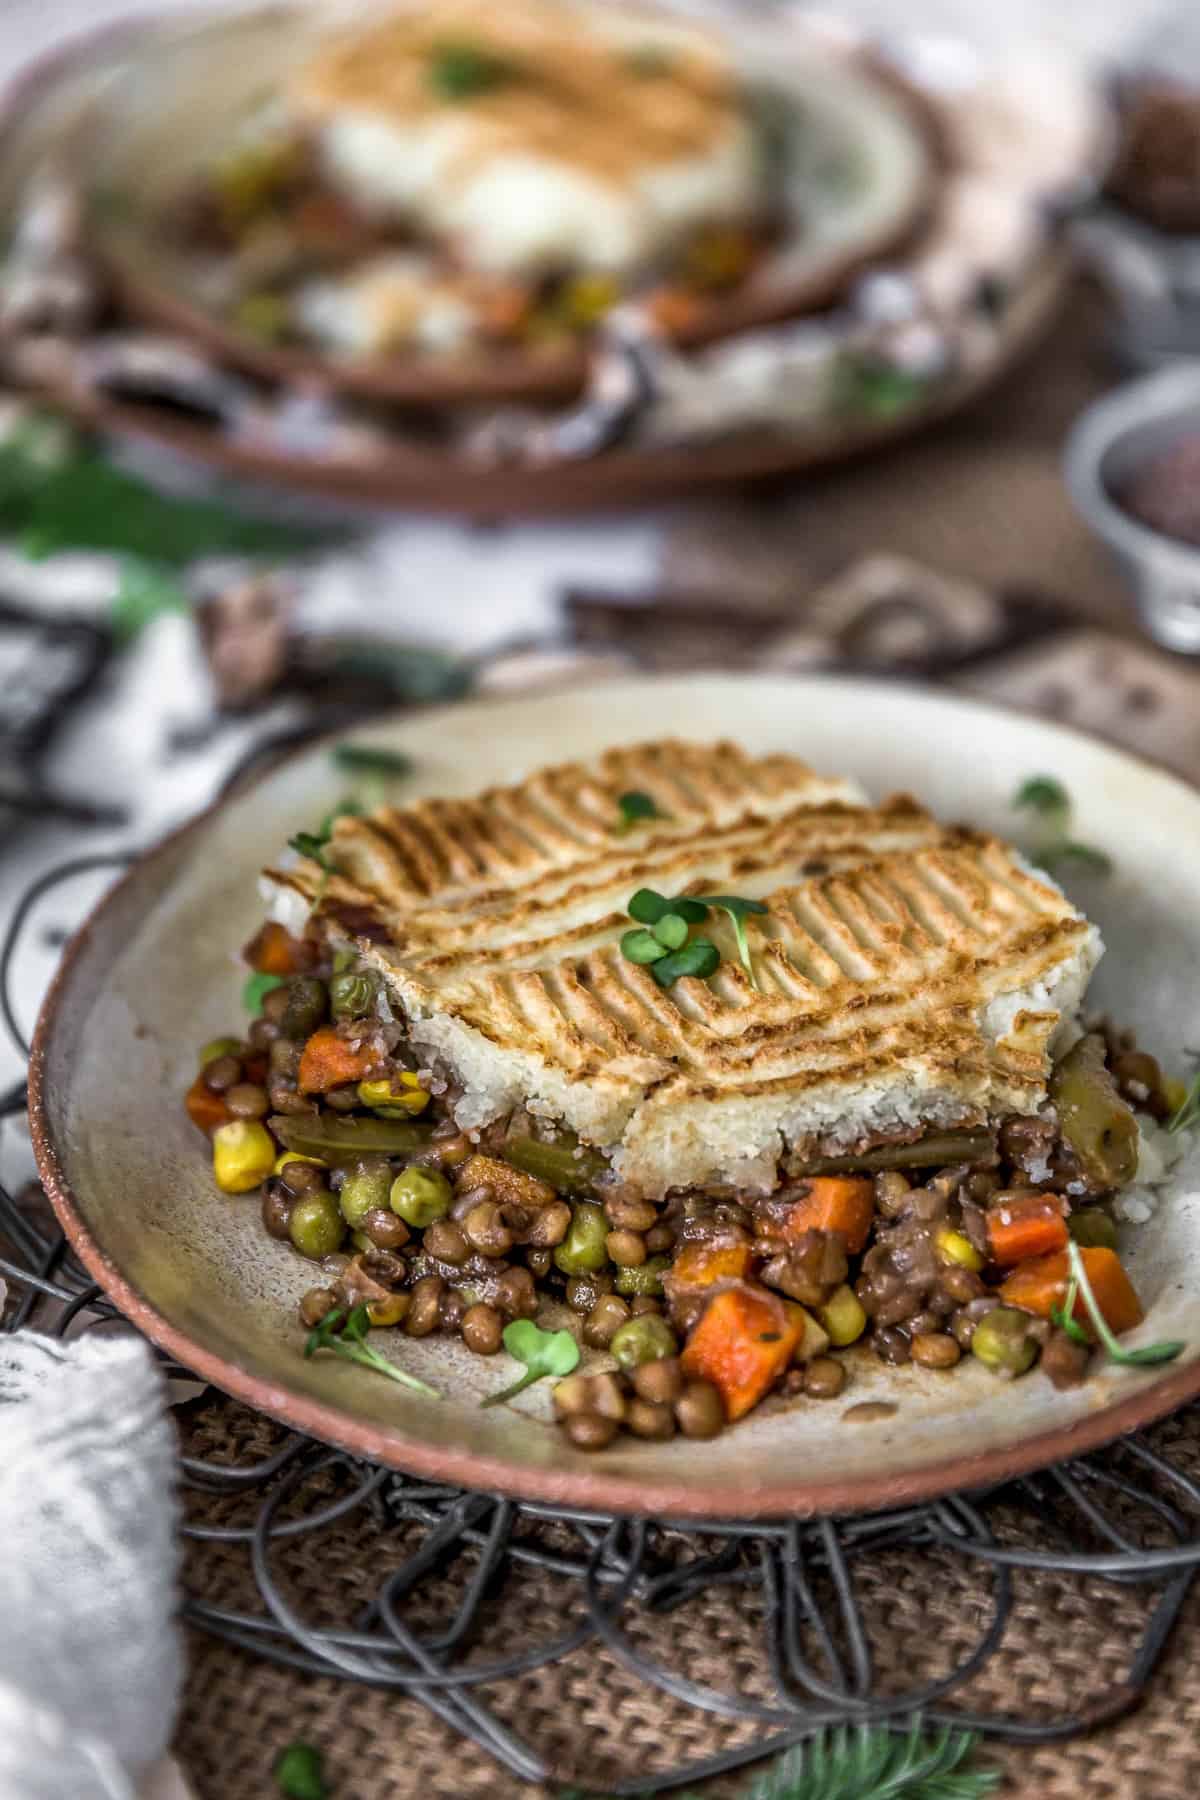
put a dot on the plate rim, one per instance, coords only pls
(620, 1495)
(448, 485)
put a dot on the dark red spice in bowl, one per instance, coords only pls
(1163, 492)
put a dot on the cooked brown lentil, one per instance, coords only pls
(496, 1252)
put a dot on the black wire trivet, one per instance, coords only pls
(1126, 1516)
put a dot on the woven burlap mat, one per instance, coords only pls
(1067, 1647)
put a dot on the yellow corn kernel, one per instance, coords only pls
(1176, 1092)
(243, 1155)
(585, 300)
(290, 1156)
(400, 1099)
(390, 1311)
(954, 1247)
(843, 1317)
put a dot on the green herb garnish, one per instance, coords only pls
(872, 1762)
(313, 844)
(300, 1773)
(700, 957)
(668, 922)
(1045, 796)
(1148, 1355)
(635, 808)
(1054, 848)
(350, 1343)
(543, 1353)
(460, 71)
(371, 759)
(739, 911)
(256, 988)
(648, 908)
(308, 843)
(1188, 1110)
(642, 947)
(1064, 1316)
(58, 493)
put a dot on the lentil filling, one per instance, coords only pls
(706, 1302)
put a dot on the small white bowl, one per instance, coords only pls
(1110, 441)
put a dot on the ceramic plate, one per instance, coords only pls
(154, 973)
(151, 105)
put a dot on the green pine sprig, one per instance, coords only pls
(872, 1762)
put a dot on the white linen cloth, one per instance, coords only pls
(91, 1662)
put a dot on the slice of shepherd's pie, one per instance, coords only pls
(702, 1047)
(898, 977)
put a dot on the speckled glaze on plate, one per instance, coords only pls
(154, 973)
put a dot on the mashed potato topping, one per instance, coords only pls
(534, 135)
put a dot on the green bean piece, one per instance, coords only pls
(978, 1148)
(421, 1196)
(1094, 1227)
(364, 1189)
(563, 1164)
(306, 1003)
(353, 993)
(1093, 1120)
(646, 1278)
(222, 1046)
(343, 1140)
(583, 1249)
(1002, 1342)
(315, 1225)
(648, 1338)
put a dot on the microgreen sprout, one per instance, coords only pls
(1054, 847)
(739, 911)
(700, 957)
(664, 945)
(1146, 1356)
(350, 1343)
(257, 987)
(309, 844)
(543, 1353)
(313, 844)
(635, 808)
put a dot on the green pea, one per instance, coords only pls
(583, 1248)
(1002, 1342)
(672, 930)
(353, 993)
(648, 1338)
(645, 1279)
(365, 1188)
(226, 1046)
(1094, 1227)
(315, 1225)
(305, 1008)
(420, 1196)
